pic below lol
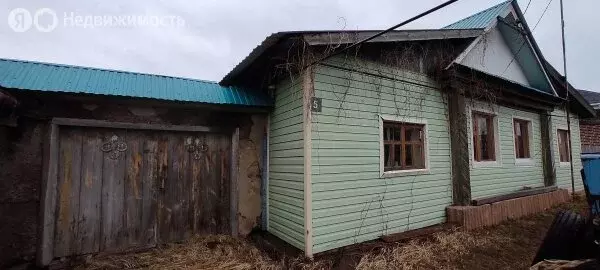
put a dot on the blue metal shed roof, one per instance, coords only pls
(481, 19)
(26, 75)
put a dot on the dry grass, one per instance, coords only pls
(437, 252)
(210, 252)
(510, 245)
(203, 252)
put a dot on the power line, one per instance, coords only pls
(526, 8)
(543, 13)
(436, 8)
(533, 29)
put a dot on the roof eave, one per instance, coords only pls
(316, 38)
(259, 50)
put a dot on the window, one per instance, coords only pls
(403, 146)
(563, 146)
(484, 145)
(521, 135)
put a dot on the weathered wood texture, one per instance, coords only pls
(161, 187)
(547, 162)
(137, 126)
(48, 205)
(514, 195)
(473, 217)
(459, 141)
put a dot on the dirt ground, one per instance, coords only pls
(510, 245)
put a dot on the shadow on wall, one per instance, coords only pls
(20, 171)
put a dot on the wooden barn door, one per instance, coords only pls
(120, 189)
(194, 185)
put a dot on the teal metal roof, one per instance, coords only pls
(481, 19)
(26, 75)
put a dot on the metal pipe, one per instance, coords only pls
(564, 52)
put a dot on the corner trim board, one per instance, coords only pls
(267, 169)
(307, 93)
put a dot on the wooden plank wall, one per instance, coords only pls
(154, 188)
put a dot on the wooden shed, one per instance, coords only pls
(114, 161)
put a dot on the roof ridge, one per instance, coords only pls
(478, 13)
(104, 69)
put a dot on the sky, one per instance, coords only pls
(206, 39)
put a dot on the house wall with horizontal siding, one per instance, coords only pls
(286, 165)
(563, 170)
(506, 176)
(351, 203)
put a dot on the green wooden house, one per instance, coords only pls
(381, 139)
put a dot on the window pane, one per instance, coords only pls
(521, 139)
(482, 126)
(525, 139)
(397, 132)
(386, 155)
(483, 138)
(563, 145)
(387, 133)
(414, 156)
(409, 155)
(397, 155)
(412, 134)
(418, 157)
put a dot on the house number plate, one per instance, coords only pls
(315, 104)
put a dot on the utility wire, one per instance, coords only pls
(525, 41)
(543, 13)
(436, 8)
(526, 8)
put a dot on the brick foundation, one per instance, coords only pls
(472, 217)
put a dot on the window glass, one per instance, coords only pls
(403, 146)
(484, 145)
(521, 135)
(563, 145)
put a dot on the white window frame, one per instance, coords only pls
(525, 162)
(408, 120)
(494, 111)
(565, 128)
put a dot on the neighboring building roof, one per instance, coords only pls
(481, 19)
(26, 75)
(591, 97)
(325, 37)
(577, 101)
